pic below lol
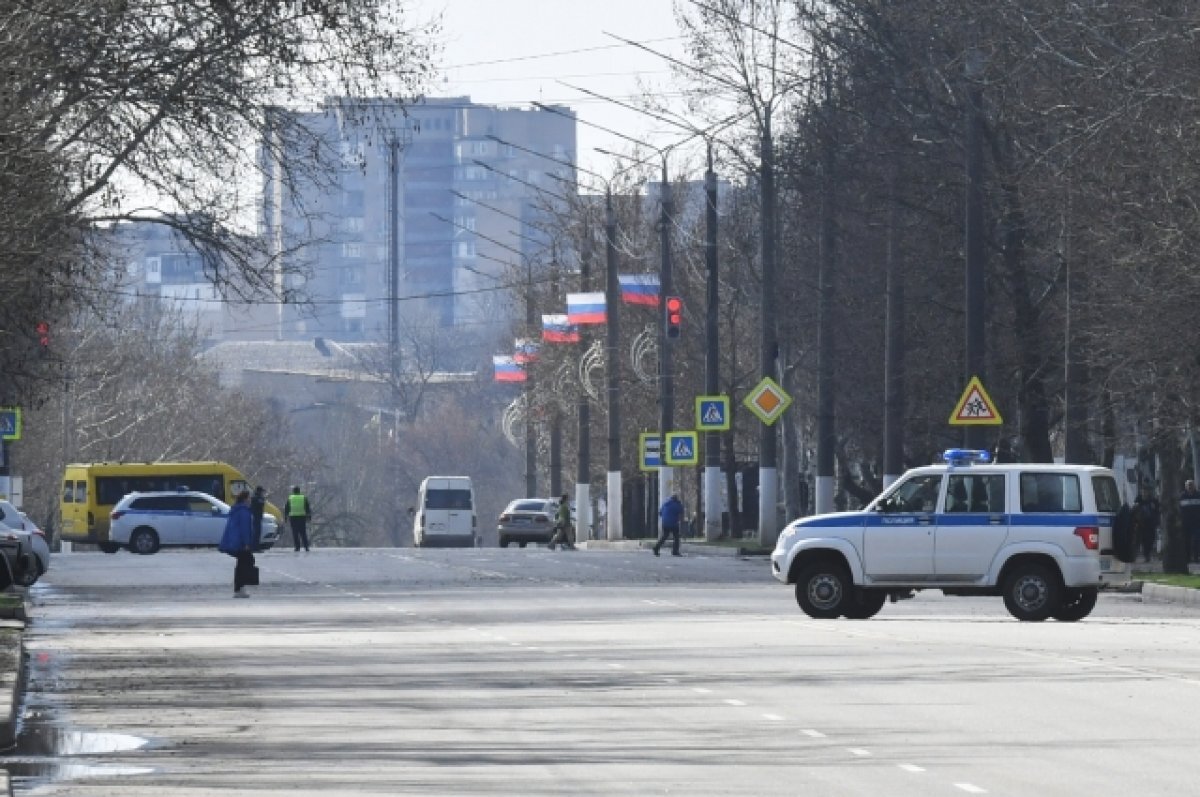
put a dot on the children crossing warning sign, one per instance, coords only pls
(976, 407)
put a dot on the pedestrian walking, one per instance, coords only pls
(562, 525)
(238, 542)
(671, 514)
(299, 512)
(258, 505)
(1146, 516)
(1189, 512)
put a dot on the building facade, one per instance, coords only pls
(472, 190)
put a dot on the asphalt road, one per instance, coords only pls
(526, 672)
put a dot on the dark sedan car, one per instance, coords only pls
(527, 520)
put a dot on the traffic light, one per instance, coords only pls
(43, 333)
(674, 315)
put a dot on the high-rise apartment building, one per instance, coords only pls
(473, 188)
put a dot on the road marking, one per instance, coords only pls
(616, 666)
(812, 733)
(733, 702)
(773, 717)
(858, 751)
(911, 768)
(701, 690)
(971, 788)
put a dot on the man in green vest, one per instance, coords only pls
(298, 514)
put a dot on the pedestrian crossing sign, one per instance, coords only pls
(10, 423)
(712, 413)
(975, 408)
(682, 448)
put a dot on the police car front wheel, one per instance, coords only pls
(823, 590)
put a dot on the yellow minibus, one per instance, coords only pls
(91, 489)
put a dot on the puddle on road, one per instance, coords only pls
(48, 752)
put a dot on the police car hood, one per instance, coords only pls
(829, 519)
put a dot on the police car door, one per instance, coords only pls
(971, 526)
(898, 537)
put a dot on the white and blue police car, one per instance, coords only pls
(1045, 537)
(146, 522)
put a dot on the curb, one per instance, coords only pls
(694, 548)
(1163, 593)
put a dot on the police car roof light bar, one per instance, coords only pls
(966, 456)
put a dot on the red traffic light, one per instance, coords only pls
(674, 315)
(43, 332)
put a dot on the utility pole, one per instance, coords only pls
(666, 390)
(893, 350)
(975, 436)
(583, 472)
(826, 432)
(712, 440)
(612, 367)
(767, 443)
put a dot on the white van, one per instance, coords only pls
(445, 513)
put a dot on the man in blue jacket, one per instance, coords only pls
(671, 514)
(238, 541)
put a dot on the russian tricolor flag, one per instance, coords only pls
(556, 329)
(525, 350)
(639, 289)
(508, 370)
(586, 308)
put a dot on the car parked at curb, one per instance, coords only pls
(146, 522)
(13, 518)
(1044, 537)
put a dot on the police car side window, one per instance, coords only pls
(1108, 498)
(1050, 492)
(975, 492)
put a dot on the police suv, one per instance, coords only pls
(1044, 537)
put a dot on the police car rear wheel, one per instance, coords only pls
(823, 590)
(143, 541)
(1031, 593)
(1076, 605)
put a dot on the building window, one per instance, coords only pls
(464, 223)
(352, 249)
(353, 224)
(352, 200)
(352, 276)
(465, 249)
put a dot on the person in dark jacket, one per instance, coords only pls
(671, 514)
(258, 505)
(1146, 516)
(238, 542)
(1189, 512)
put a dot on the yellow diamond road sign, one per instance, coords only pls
(976, 407)
(768, 401)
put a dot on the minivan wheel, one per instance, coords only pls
(110, 547)
(1076, 604)
(143, 541)
(823, 590)
(1031, 592)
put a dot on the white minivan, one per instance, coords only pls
(445, 513)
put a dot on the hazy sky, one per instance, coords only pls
(512, 52)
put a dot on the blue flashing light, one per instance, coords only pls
(965, 456)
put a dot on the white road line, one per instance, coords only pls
(733, 702)
(773, 717)
(971, 788)
(858, 751)
(911, 768)
(701, 690)
(812, 733)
